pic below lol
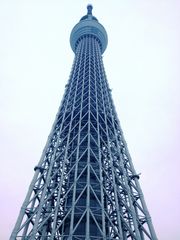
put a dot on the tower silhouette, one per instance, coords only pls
(85, 185)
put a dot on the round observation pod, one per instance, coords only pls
(89, 25)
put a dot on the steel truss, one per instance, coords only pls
(85, 185)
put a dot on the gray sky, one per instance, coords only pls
(142, 65)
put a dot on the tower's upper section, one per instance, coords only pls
(88, 25)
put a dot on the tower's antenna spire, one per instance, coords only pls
(89, 9)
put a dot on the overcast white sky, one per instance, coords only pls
(142, 64)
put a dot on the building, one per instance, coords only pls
(85, 185)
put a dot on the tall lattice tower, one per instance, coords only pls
(85, 185)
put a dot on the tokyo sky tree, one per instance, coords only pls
(85, 186)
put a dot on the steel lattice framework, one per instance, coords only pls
(85, 185)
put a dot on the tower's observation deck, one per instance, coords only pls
(88, 25)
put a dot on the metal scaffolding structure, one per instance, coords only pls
(85, 185)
